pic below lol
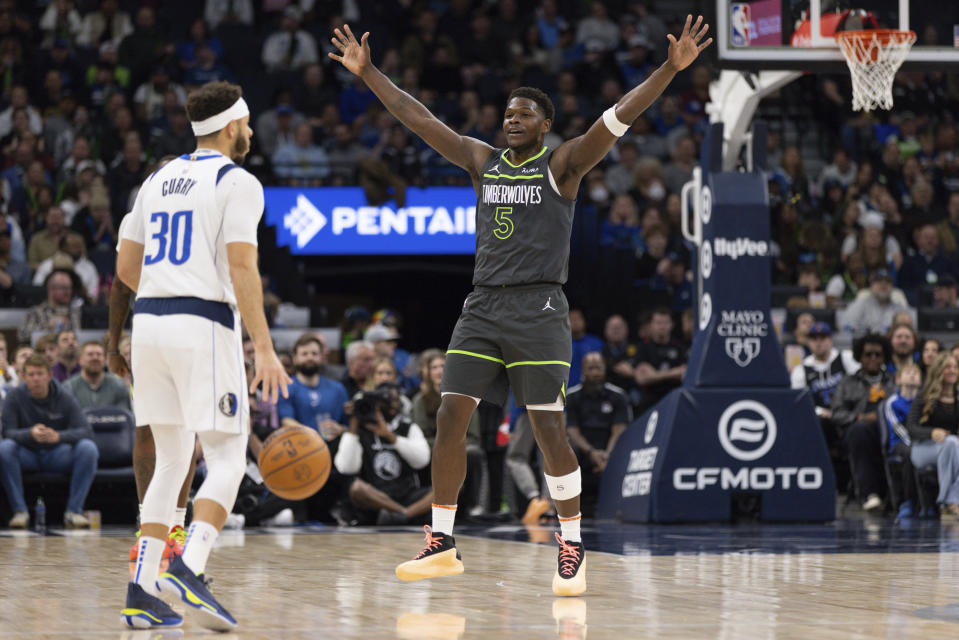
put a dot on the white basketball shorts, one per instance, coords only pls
(188, 365)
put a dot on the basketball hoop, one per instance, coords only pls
(873, 57)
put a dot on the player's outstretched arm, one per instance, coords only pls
(574, 158)
(463, 151)
(248, 287)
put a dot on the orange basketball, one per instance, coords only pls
(294, 462)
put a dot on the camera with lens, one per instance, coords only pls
(365, 404)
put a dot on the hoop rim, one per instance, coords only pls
(885, 36)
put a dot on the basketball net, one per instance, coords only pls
(873, 57)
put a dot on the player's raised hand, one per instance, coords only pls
(354, 55)
(269, 370)
(682, 52)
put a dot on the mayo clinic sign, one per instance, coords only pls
(339, 221)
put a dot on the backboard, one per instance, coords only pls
(782, 34)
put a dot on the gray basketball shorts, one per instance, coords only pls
(511, 337)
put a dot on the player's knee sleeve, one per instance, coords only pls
(225, 455)
(556, 405)
(174, 449)
(565, 487)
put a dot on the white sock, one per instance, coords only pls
(199, 543)
(443, 517)
(150, 550)
(180, 518)
(570, 528)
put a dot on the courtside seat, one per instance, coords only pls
(113, 435)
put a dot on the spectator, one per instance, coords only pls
(94, 386)
(301, 162)
(948, 229)
(187, 51)
(598, 27)
(20, 99)
(95, 224)
(384, 371)
(208, 68)
(384, 340)
(845, 286)
(314, 401)
(855, 410)
(13, 272)
(60, 20)
(45, 243)
(874, 310)
(597, 413)
(930, 351)
(583, 343)
(291, 47)
(678, 172)
(67, 363)
(933, 423)
(276, 126)
(70, 256)
(57, 313)
(842, 170)
(45, 430)
(385, 450)
(905, 347)
(9, 378)
(820, 372)
(926, 265)
(47, 347)
(144, 46)
(20, 356)
(660, 363)
(228, 12)
(425, 405)
(618, 352)
(174, 139)
(344, 154)
(620, 178)
(895, 410)
(106, 24)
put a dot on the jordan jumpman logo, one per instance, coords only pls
(548, 305)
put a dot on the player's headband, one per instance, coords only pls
(220, 120)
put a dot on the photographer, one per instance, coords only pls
(384, 450)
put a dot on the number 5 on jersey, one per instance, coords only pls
(504, 225)
(173, 237)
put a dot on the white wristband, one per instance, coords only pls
(612, 123)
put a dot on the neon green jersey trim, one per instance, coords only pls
(536, 363)
(476, 355)
(497, 177)
(531, 363)
(524, 161)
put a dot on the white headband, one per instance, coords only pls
(220, 120)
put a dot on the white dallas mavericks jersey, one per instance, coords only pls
(184, 216)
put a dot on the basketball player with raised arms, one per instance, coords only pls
(514, 328)
(189, 253)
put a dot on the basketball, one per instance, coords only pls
(294, 462)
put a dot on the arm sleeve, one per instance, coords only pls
(243, 202)
(349, 457)
(916, 430)
(413, 447)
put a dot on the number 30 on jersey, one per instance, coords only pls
(172, 235)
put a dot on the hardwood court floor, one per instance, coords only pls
(664, 582)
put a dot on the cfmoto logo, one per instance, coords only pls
(651, 427)
(747, 430)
